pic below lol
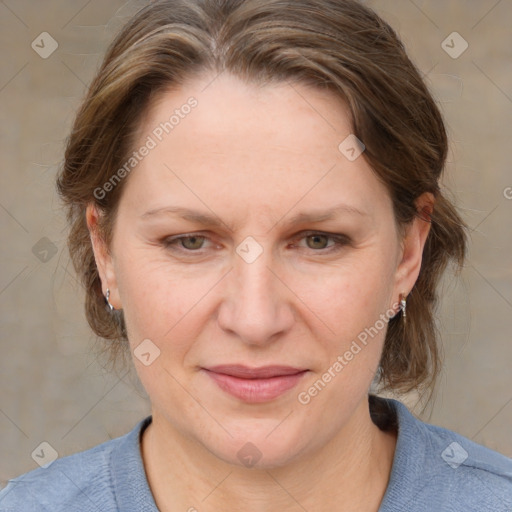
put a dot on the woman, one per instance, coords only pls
(255, 208)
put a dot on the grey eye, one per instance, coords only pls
(318, 241)
(195, 242)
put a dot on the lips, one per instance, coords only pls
(255, 385)
(264, 372)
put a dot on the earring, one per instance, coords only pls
(403, 305)
(108, 301)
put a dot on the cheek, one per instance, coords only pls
(154, 294)
(355, 303)
(353, 295)
(356, 309)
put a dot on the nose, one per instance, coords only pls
(257, 306)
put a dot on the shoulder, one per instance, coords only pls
(481, 477)
(67, 483)
(444, 470)
(82, 481)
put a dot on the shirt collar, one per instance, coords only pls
(129, 478)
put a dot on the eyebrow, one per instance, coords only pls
(207, 219)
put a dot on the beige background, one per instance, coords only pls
(55, 389)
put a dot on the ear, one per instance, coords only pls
(410, 256)
(102, 255)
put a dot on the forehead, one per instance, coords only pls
(257, 109)
(248, 145)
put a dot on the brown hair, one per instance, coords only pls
(340, 46)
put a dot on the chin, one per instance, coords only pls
(258, 450)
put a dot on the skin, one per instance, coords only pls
(256, 156)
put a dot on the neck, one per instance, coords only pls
(350, 472)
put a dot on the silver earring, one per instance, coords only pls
(403, 305)
(108, 301)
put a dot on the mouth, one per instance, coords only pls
(255, 385)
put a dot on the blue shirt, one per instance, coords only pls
(434, 469)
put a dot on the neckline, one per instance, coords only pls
(133, 493)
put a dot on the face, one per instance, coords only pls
(246, 237)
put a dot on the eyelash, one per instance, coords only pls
(340, 241)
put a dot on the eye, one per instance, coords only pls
(191, 243)
(318, 241)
